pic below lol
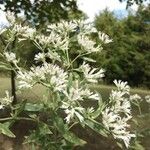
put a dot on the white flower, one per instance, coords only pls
(10, 57)
(72, 112)
(135, 97)
(63, 26)
(147, 98)
(116, 96)
(117, 125)
(104, 37)
(87, 44)
(76, 93)
(29, 33)
(91, 95)
(125, 107)
(50, 74)
(53, 55)
(86, 27)
(126, 137)
(91, 75)
(122, 86)
(25, 80)
(116, 117)
(39, 57)
(6, 100)
(109, 118)
(53, 39)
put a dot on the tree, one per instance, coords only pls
(131, 2)
(127, 57)
(41, 12)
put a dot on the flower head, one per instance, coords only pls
(91, 75)
(122, 86)
(6, 100)
(10, 57)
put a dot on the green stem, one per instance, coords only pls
(73, 125)
(68, 60)
(80, 55)
(17, 118)
(140, 111)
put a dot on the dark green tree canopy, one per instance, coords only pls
(41, 11)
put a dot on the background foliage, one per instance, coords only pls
(127, 57)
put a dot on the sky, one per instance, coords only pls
(92, 7)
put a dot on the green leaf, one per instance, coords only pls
(99, 110)
(72, 138)
(44, 129)
(5, 66)
(96, 126)
(137, 146)
(33, 107)
(59, 124)
(64, 130)
(4, 129)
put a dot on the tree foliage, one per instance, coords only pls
(39, 12)
(127, 57)
(131, 2)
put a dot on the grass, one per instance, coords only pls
(95, 141)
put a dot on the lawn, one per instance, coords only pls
(95, 141)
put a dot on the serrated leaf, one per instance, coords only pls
(44, 129)
(72, 138)
(6, 67)
(4, 129)
(69, 136)
(96, 126)
(99, 110)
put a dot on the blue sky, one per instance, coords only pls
(93, 7)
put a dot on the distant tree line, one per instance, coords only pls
(128, 56)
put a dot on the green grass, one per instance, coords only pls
(95, 141)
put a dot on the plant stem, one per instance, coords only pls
(72, 125)
(17, 118)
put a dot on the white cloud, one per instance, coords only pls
(3, 19)
(93, 7)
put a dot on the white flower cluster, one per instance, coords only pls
(6, 100)
(63, 26)
(87, 44)
(147, 98)
(10, 57)
(116, 117)
(72, 106)
(91, 75)
(135, 98)
(24, 31)
(47, 74)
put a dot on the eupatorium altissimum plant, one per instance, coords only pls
(66, 79)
